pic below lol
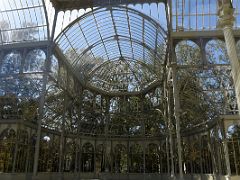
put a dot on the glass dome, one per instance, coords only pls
(115, 49)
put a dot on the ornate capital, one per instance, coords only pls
(225, 14)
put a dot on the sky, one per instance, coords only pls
(194, 17)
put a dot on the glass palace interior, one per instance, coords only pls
(119, 89)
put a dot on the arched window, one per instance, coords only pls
(206, 156)
(163, 152)
(62, 76)
(2, 92)
(87, 157)
(192, 156)
(114, 105)
(99, 158)
(157, 98)
(120, 159)
(69, 156)
(88, 98)
(11, 63)
(21, 159)
(98, 101)
(54, 67)
(231, 129)
(216, 52)
(7, 147)
(44, 153)
(152, 158)
(188, 53)
(34, 61)
(136, 159)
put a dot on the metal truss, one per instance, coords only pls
(114, 34)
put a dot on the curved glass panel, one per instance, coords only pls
(104, 38)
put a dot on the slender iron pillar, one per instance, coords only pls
(170, 136)
(77, 169)
(42, 97)
(15, 151)
(61, 152)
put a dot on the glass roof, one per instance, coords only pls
(156, 11)
(195, 15)
(105, 38)
(22, 20)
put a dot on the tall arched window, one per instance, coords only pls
(69, 156)
(54, 67)
(44, 154)
(99, 158)
(192, 156)
(164, 157)
(206, 156)
(22, 151)
(152, 158)
(136, 158)
(87, 157)
(120, 159)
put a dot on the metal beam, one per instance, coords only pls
(23, 45)
(181, 35)
(84, 4)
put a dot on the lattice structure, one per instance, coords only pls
(130, 89)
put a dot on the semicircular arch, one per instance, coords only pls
(188, 53)
(216, 52)
(109, 34)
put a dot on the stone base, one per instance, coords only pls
(109, 176)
